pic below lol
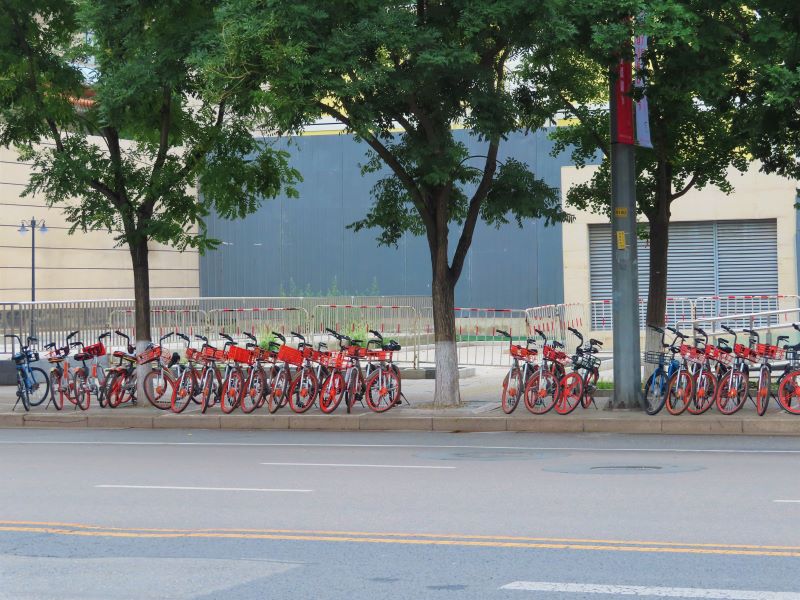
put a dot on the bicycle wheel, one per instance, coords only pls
(231, 393)
(159, 385)
(55, 387)
(705, 390)
(763, 391)
(383, 389)
(303, 391)
(183, 391)
(208, 392)
(789, 392)
(83, 394)
(655, 392)
(731, 392)
(38, 386)
(571, 393)
(331, 392)
(280, 390)
(513, 387)
(355, 388)
(117, 393)
(253, 396)
(22, 391)
(679, 392)
(541, 392)
(589, 388)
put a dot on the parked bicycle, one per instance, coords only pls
(578, 387)
(523, 367)
(33, 384)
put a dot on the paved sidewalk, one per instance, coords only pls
(480, 412)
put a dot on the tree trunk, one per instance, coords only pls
(659, 246)
(444, 326)
(141, 294)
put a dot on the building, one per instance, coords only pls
(83, 266)
(741, 244)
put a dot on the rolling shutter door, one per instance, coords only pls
(705, 259)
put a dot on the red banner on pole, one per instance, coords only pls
(624, 103)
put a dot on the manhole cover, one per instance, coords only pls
(481, 454)
(600, 469)
(626, 468)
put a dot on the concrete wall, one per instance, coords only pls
(300, 246)
(79, 266)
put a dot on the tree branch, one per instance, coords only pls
(163, 142)
(389, 159)
(598, 139)
(688, 187)
(473, 212)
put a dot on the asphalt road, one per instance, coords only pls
(215, 514)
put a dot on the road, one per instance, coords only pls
(213, 514)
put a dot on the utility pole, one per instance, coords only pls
(625, 264)
(23, 229)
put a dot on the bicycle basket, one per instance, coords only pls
(392, 346)
(19, 358)
(793, 356)
(241, 355)
(149, 355)
(211, 353)
(97, 349)
(745, 352)
(769, 351)
(585, 361)
(692, 354)
(655, 358)
(356, 351)
(522, 353)
(193, 355)
(335, 360)
(290, 355)
(553, 355)
(379, 355)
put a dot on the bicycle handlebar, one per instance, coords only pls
(165, 337)
(119, 333)
(503, 333)
(250, 336)
(298, 335)
(279, 336)
(376, 334)
(201, 338)
(226, 336)
(73, 334)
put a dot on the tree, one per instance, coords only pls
(770, 118)
(694, 72)
(105, 100)
(400, 76)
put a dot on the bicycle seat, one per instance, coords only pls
(83, 356)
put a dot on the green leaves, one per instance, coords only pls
(151, 126)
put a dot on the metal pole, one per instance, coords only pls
(33, 275)
(624, 273)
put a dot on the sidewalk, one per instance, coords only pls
(480, 412)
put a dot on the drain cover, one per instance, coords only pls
(621, 469)
(626, 468)
(481, 454)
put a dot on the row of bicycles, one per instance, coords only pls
(551, 379)
(241, 375)
(693, 375)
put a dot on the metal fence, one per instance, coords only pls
(407, 319)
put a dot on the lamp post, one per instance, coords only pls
(23, 229)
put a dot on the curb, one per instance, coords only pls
(440, 423)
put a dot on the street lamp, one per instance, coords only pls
(23, 229)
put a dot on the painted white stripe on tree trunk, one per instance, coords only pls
(298, 464)
(210, 489)
(787, 501)
(641, 590)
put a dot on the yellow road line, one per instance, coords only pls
(388, 540)
(381, 534)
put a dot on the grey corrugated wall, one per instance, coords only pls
(305, 245)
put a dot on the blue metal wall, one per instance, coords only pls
(296, 246)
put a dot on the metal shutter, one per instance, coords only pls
(705, 259)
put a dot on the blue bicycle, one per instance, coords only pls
(656, 387)
(33, 385)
